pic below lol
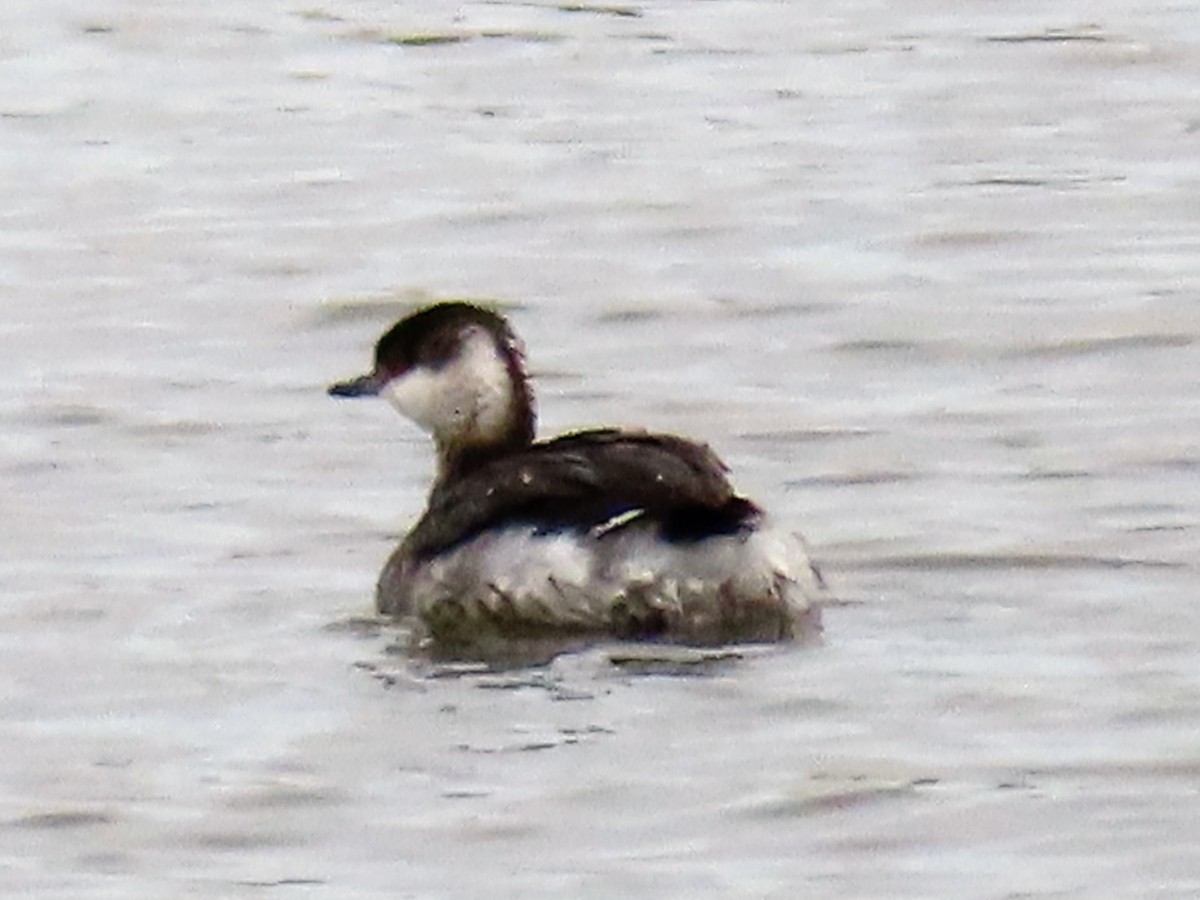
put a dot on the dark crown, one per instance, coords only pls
(431, 336)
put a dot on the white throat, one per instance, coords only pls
(469, 400)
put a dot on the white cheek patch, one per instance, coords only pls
(484, 374)
(468, 399)
(419, 395)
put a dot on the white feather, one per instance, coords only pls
(470, 397)
(749, 586)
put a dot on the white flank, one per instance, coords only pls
(588, 581)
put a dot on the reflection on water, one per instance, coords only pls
(926, 280)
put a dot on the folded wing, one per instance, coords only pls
(588, 481)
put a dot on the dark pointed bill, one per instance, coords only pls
(363, 386)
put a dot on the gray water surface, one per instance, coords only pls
(926, 275)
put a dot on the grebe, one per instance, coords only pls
(606, 532)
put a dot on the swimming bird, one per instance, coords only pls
(606, 532)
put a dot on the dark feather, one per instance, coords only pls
(580, 481)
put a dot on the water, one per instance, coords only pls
(926, 276)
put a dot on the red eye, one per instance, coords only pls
(439, 349)
(394, 370)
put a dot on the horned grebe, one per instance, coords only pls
(595, 533)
